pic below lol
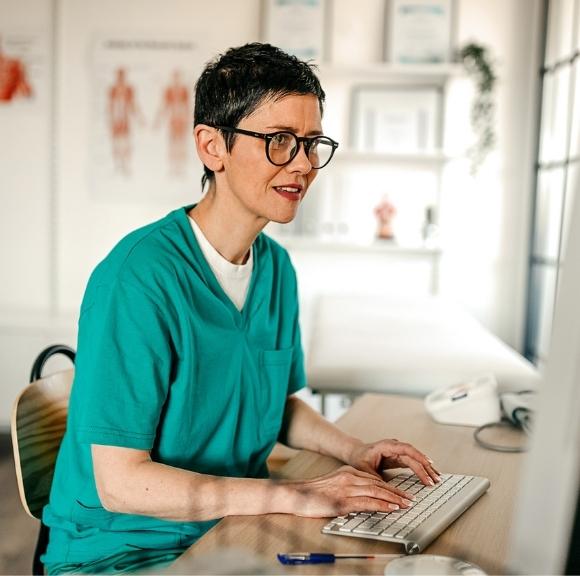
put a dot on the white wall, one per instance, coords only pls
(486, 219)
(489, 277)
(25, 146)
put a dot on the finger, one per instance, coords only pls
(408, 451)
(432, 464)
(419, 470)
(402, 498)
(363, 480)
(435, 474)
(363, 474)
(432, 473)
(381, 483)
(379, 492)
(401, 493)
(367, 504)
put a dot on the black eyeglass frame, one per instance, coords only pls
(307, 142)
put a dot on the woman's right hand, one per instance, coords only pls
(342, 491)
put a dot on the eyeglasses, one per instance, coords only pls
(282, 147)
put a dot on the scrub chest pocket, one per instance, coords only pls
(274, 378)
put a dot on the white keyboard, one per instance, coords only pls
(415, 527)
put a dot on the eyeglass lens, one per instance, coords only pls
(282, 148)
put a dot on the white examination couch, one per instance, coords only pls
(383, 344)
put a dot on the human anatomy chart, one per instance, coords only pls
(142, 118)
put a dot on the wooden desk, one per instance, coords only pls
(480, 535)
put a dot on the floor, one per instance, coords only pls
(17, 530)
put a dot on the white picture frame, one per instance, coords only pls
(396, 119)
(297, 27)
(419, 31)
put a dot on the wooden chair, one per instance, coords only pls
(38, 424)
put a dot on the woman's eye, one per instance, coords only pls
(280, 140)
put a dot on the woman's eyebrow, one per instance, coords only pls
(293, 130)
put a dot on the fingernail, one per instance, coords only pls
(430, 482)
(393, 507)
(438, 478)
(407, 502)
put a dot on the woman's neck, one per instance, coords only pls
(225, 228)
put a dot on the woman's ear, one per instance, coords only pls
(210, 146)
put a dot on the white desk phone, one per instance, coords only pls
(476, 402)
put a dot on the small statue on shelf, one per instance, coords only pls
(385, 212)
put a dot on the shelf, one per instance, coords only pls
(316, 244)
(346, 156)
(395, 73)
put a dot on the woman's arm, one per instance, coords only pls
(129, 482)
(303, 428)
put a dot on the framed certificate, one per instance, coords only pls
(396, 120)
(296, 26)
(419, 31)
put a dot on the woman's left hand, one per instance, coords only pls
(385, 454)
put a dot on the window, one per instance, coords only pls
(557, 170)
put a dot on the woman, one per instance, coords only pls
(189, 349)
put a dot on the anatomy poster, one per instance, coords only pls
(142, 118)
(22, 69)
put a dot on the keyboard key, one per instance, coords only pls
(368, 528)
(340, 520)
(353, 523)
(395, 481)
(414, 489)
(383, 524)
(392, 530)
(397, 513)
(329, 526)
(423, 493)
(369, 523)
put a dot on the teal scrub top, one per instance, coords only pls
(167, 363)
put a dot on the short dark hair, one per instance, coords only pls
(236, 83)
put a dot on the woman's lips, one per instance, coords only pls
(292, 193)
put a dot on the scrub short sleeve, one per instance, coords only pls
(123, 368)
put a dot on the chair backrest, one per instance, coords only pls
(38, 424)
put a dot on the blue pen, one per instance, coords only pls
(326, 558)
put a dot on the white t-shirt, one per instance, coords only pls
(233, 278)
